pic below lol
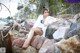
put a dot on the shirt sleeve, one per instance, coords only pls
(50, 20)
(47, 21)
(37, 22)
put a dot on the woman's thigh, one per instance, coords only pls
(38, 31)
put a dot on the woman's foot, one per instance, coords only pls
(24, 48)
(26, 44)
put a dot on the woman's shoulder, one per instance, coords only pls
(40, 16)
(50, 17)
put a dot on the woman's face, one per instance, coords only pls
(46, 13)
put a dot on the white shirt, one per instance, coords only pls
(41, 25)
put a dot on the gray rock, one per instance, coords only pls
(60, 33)
(65, 16)
(74, 30)
(47, 47)
(49, 32)
(71, 31)
(75, 27)
(16, 49)
(30, 49)
(26, 25)
(29, 24)
(57, 50)
(54, 26)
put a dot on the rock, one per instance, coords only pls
(29, 24)
(77, 17)
(49, 31)
(40, 42)
(56, 25)
(71, 31)
(26, 26)
(61, 45)
(16, 49)
(75, 27)
(23, 30)
(74, 30)
(71, 45)
(37, 42)
(47, 47)
(57, 50)
(30, 49)
(60, 33)
(18, 42)
(66, 16)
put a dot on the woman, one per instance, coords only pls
(39, 27)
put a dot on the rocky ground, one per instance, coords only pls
(62, 36)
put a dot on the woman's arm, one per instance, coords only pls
(50, 20)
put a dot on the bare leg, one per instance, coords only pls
(31, 34)
(28, 40)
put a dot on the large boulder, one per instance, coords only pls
(66, 16)
(56, 25)
(18, 42)
(74, 30)
(71, 45)
(29, 23)
(47, 47)
(60, 33)
(37, 42)
(49, 32)
(16, 49)
(57, 50)
(26, 25)
(30, 49)
(75, 27)
(42, 44)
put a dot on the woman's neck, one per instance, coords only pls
(44, 16)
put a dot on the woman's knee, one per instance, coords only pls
(33, 29)
(36, 31)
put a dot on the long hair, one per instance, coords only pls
(45, 9)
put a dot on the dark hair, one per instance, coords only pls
(45, 9)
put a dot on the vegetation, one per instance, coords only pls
(56, 7)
